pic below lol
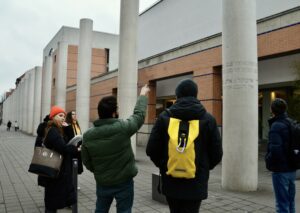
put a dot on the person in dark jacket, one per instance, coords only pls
(71, 131)
(283, 174)
(8, 125)
(107, 152)
(41, 132)
(182, 194)
(60, 191)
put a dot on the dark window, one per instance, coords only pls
(107, 59)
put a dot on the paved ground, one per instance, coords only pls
(20, 193)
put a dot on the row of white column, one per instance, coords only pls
(23, 105)
(83, 75)
(240, 87)
(127, 81)
(31, 100)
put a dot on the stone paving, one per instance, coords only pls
(19, 191)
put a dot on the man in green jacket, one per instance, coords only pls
(106, 151)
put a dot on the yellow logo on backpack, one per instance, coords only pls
(181, 163)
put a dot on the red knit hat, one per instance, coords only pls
(56, 110)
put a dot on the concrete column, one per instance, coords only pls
(9, 109)
(12, 105)
(21, 108)
(4, 112)
(61, 75)
(46, 86)
(7, 118)
(15, 107)
(84, 73)
(25, 102)
(266, 114)
(37, 99)
(127, 79)
(20, 102)
(12, 99)
(17, 103)
(30, 98)
(240, 96)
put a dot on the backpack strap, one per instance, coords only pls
(168, 111)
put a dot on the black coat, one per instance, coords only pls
(69, 134)
(208, 149)
(41, 132)
(59, 192)
(277, 153)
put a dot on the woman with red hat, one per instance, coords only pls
(59, 192)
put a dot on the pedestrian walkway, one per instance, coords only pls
(19, 191)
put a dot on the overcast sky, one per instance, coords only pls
(28, 25)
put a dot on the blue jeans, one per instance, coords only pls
(123, 193)
(285, 191)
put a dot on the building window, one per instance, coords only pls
(107, 59)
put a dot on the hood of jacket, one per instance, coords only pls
(187, 108)
(278, 117)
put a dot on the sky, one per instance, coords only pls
(28, 25)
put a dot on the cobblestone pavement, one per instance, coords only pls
(19, 191)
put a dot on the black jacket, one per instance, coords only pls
(208, 149)
(69, 134)
(277, 153)
(59, 192)
(41, 132)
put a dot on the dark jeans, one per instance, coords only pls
(285, 191)
(183, 206)
(123, 193)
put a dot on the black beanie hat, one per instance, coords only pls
(278, 106)
(186, 88)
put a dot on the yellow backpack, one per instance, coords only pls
(181, 149)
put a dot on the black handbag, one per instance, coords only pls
(45, 162)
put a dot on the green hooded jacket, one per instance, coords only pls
(106, 149)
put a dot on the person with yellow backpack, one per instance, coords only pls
(185, 144)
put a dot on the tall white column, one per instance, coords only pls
(240, 96)
(37, 99)
(14, 107)
(25, 102)
(127, 77)
(12, 100)
(4, 112)
(7, 109)
(84, 73)
(22, 97)
(20, 102)
(17, 104)
(46, 86)
(30, 97)
(61, 75)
